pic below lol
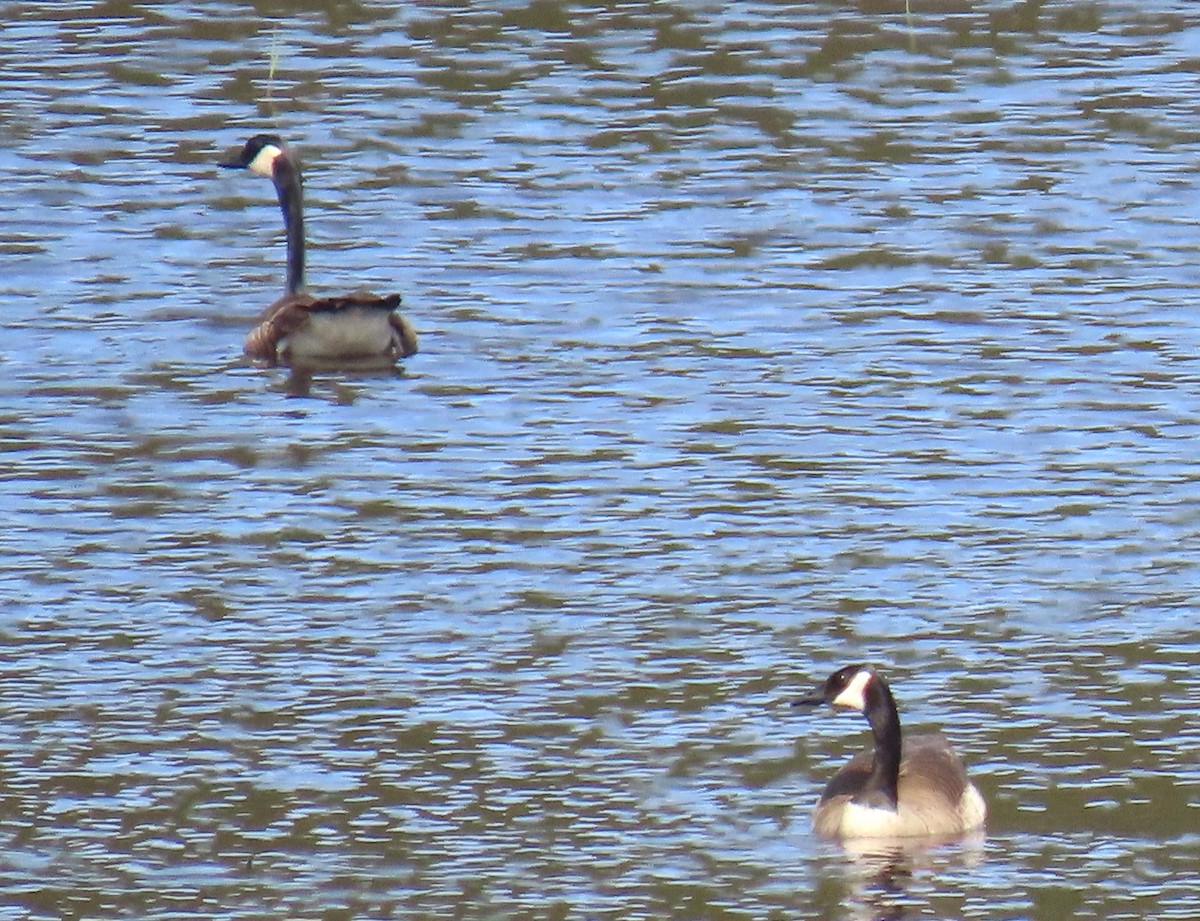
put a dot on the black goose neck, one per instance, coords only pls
(881, 713)
(290, 189)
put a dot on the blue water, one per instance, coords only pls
(756, 338)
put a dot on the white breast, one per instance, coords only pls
(860, 821)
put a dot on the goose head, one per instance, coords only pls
(846, 688)
(259, 155)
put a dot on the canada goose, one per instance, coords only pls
(358, 328)
(889, 791)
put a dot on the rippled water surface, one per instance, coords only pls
(757, 338)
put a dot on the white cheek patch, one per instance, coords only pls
(264, 160)
(854, 696)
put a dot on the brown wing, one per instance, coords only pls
(279, 320)
(405, 333)
(927, 761)
(852, 776)
(930, 770)
(363, 300)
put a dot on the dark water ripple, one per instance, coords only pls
(757, 337)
